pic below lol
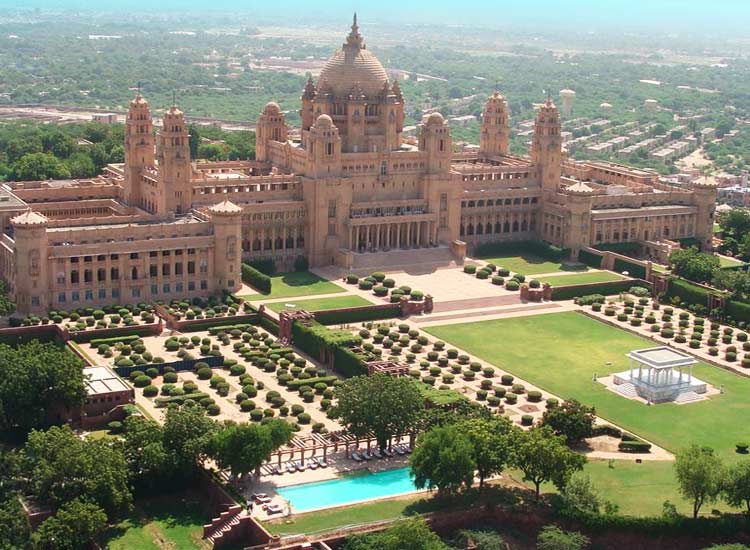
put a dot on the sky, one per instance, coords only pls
(662, 14)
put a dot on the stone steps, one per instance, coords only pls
(387, 260)
(688, 397)
(627, 390)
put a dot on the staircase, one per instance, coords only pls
(423, 257)
(218, 531)
(688, 397)
(627, 390)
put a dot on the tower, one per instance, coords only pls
(306, 112)
(567, 97)
(32, 279)
(495, 132)
(271, 127)
(227, 219)
(324, 149)
(435, 140)
(546, 146)
(704, 198)
(139, 149)
(173, 153)
(576, 235)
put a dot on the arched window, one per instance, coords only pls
(506, 227)
(134, 273)
(470, 229)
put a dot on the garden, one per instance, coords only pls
(293, 284)
(384, 287)
(89, 318)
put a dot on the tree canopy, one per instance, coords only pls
(443, 458)
(571, 419)
(244, 447)
(699, 475)
(385, 406)
(408, 534)
(694, 265)
(73, 527)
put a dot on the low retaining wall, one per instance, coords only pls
(53, 330)
(606, 288)
(182, 365)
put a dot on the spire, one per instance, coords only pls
(309, 92)
(397, 91)
(354, 40)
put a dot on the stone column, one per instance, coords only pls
(388, 236)
(418, 240)
(408, 234)
(377, 237)
(351, 238)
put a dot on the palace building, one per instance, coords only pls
(346, 190)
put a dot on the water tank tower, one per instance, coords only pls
(566, 100)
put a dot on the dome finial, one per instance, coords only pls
(354, 40)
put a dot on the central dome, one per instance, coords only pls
(353, 64)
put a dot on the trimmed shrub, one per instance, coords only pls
(150, 391)
(534, 396)
(507, 379)
(142, 381)
(512, 285)
(303, 418)
(527, 420)
(470, 269)
(256, 279)
(511, 398)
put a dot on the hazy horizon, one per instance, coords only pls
(667, 15)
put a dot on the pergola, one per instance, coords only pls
(656, 366)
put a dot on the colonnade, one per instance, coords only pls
(386, 236)
(273, 238)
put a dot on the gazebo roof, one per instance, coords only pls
(662, 357)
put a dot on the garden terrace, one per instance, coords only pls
(296, 284)
(89, 318)
(205, 308)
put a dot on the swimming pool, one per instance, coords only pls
(350, 488)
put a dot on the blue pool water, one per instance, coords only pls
(347, 489)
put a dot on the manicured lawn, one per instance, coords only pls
(581, 278)
(298, 283)
(561, 352)
(529, 264)
(320, 304)
(170, 521)
(725, 261)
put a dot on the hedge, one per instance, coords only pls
(318, 340)
(358, 314)
(591, 260)
(226, 328)
(687, 292)
(633, 269)
(256, 279)
(164, 401)
(111, 341)
(607, 289)
(539, 248)
(297, 383)
(634, 447)
(738, 311)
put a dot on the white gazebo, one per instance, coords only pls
(661, 375)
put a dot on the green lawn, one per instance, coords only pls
(581, 278)
(561, 352)
(320, 304)
(297, 283)
(169, 521)
(529, 264)
(728, 262)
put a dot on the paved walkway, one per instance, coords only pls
(432, 320)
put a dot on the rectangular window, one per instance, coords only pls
(101, 274)
(178, 287)
(134, 255)
(191, 285)
(166, 288)
(204, 266)
(135, 292)
(178, 252)
(102, 294)
(332, 209)
(61, 298)
(443, 202)
(191, 268)
(154, 289)
(230, 283)
(115, 293)
(75, 296)
(178, 269)
(89, 294)
(153, 270)
(165, 270)
(35, 301)
(152, 254)
(191, 251)
(204, 285)
(114, 256)
(88, 276)
(114, 274)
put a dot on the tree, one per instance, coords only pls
(194, 141)
(572, 420)
(73, 527)
(243, 448)
(443, 458)
(35, 380)
(552, 537)
(699, 475)
(39, 166)
(694, 265)
(409, 534)
(14, 524)
(81, 166)
(736, 486)
(60, 467)
(491, 443)
(383, 405)
(187, 432)
(148, 459)
(543, 456)
(480, 539)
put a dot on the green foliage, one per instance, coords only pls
(73, 527)
(571, 419)
(14, 525)
(443, 459)
(699, 475)
(256, 279)
(694, 265)
(383, 405)
(6, 305)
(319, 341)
(408, 534)
(538, 248)
(552, 537)
(61, 467)
(607, 289)
(35, 378)
(736, 485)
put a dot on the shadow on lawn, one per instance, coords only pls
(490, 495)
(300, 278)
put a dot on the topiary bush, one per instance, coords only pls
(507, 379)
(150, 391)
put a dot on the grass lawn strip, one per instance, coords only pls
(297, 283)
(561, 352)
(529, 264)
(320, 304)
(569, 279)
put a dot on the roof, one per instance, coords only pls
(29, 218)
(579, 187)
(353, 65)
(225, 207)
(101, 380)
(662, 357)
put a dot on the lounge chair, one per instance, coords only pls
(323, 462)
(291, 467)
(377, 454)
(275, 470)
(262, 498)
(356, 457)
(273, 508)
(388, 453)
(312, 464)
(366, 455)
(300, 467)
(400, 450)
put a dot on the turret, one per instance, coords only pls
(227, 219)
(495, 132)
(271, 127)
(173, 154)
(435, 140)
(704, 198)
(31, 276)
(546, 146)
(324, 149)
(579, 218)
(307, 111)
(139, 149)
